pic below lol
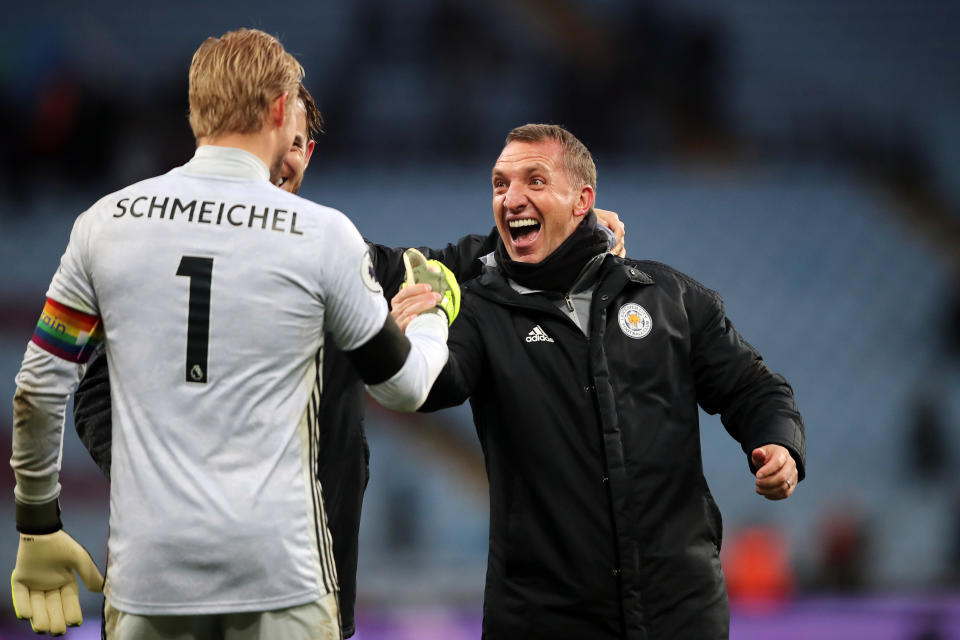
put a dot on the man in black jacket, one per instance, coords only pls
(343, 455)
(584, 371)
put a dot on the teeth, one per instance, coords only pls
(526, 222)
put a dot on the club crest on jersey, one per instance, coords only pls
(368, 274)
(634, 320)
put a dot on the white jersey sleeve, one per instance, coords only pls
(355, 307)
(71, 284)
(356, 311)
(409, 387)
(44, 385)
(65, 335)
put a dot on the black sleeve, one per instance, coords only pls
(465, 367)
(380, 357)
(462, 257)
(756, 405)
(91, 410)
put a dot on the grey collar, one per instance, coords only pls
(583, 282)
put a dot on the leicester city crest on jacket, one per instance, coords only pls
(635, 322)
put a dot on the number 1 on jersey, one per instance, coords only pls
(200, 272)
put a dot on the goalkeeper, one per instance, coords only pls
(210, 453)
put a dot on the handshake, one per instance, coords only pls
(414, 298)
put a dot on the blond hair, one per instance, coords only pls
(234, 78)
(577, 161)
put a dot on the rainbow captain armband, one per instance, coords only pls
(67, 333)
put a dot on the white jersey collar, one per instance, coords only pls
(227, 161)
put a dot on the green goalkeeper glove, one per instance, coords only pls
(44, 588)
(438, 276)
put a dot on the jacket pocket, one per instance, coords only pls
(714, 519)
(518, 552)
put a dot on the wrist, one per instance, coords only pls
(38, 519)
(432, 322)
(438, 311)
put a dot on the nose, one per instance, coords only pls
(514, 200)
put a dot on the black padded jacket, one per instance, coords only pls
(601, 522)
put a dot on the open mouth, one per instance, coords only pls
(282, 180)
(524, 231)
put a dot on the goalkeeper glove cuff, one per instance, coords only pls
(38, 519)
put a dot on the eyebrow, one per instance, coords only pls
(528, 169)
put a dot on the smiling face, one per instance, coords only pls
(297, 157)
(535, 205)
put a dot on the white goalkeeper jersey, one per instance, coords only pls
(214, 289)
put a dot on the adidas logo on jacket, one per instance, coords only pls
(537, 334)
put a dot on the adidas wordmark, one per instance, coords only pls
(537, 334)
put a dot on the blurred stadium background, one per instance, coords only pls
(802, 158)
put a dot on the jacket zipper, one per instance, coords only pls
(602, 317)
(608, 485)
